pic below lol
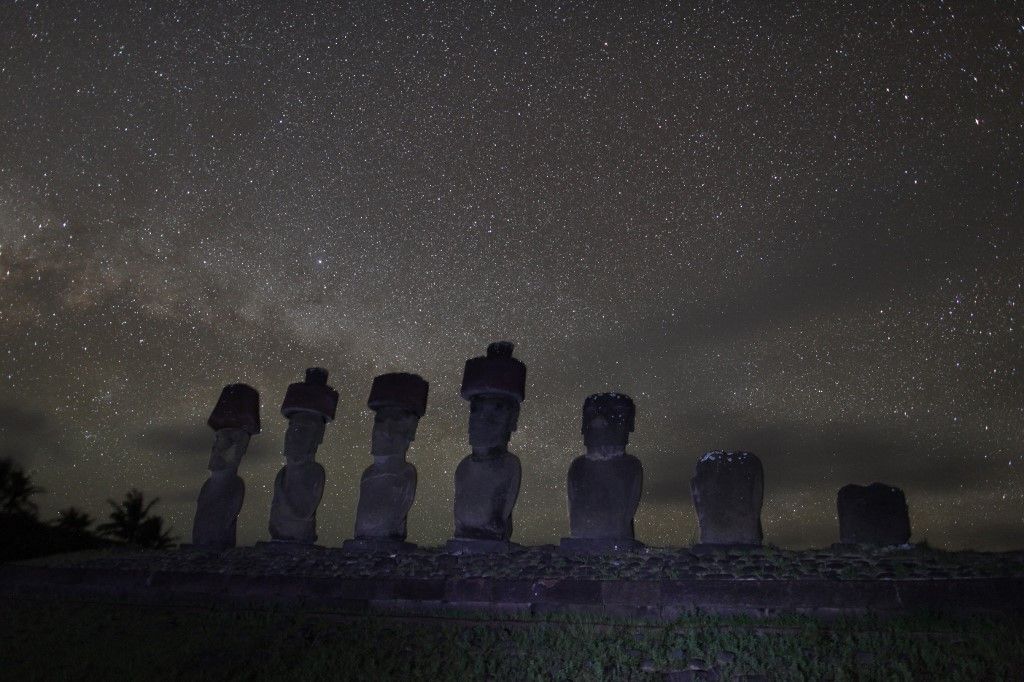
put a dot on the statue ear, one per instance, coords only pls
(514, 420)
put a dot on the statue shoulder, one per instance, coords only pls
(237, 485)
(579, 462)
(312, 471)
(464, 463)
(634, 461)
(512, 461)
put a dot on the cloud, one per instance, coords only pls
(191, 442)
(799, 457)
(27, 434)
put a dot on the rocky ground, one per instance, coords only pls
(837, 563)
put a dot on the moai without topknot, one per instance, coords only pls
(299, 485)
(487, 481)
(875, 514)
(388, 486)
(235, 418)
(728, 490)
(604, 484)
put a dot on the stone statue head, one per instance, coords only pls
(492, 419)
(228, 447)
(304, 435)
(607, 423)
(394, 429)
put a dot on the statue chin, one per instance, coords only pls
(602, 452)
(389, 447)
(488, 440)
(387, 456)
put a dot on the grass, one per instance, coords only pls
(69, 641)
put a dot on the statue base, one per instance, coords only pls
(599, 545)
(474, 546)
(713, 547)
(287, 546)
(192, 547)
(377, 546)
(861, 546)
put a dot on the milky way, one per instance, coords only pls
(791, 231)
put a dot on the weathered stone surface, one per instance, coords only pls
(399, 389)
(487, 481)
(235, 418)
(599, 545)
(377, 545)
(667, 598)
(299, 485)
(237, 408)
(876, 514)
(497, 373)
(570, 590)
(486, 489)
(479, 546)
(605, 483)
(728, 490)
(386, 492)
(388, 486)
(311, 395)
(298, 489)
(216, 521)
(288, 547)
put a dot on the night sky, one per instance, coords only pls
(790, 230)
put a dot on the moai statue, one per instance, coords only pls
(299, 485)
(728, 490)
(876, 514)
(235, 418)
(604, 483)
(388, 486)
(487, 481)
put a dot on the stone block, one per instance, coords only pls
(599, 545)
(876, 514)
(728, 491)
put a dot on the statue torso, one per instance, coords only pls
(220, 500)
(485, 493)
(603, 496)
(386, 492)
(298, 489)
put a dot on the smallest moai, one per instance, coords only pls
(388, 486)
(235, 418)
(728, 490)
(876, 514)
(299, 485)
(604, 484)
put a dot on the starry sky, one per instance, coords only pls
(793, 229)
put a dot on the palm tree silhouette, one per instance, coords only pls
(130, 521)
(73, 519)
(16, 490)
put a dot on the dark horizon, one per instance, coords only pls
(797, 232)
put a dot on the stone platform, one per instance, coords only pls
(658, 583)
(377, 545)
(598, 546)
